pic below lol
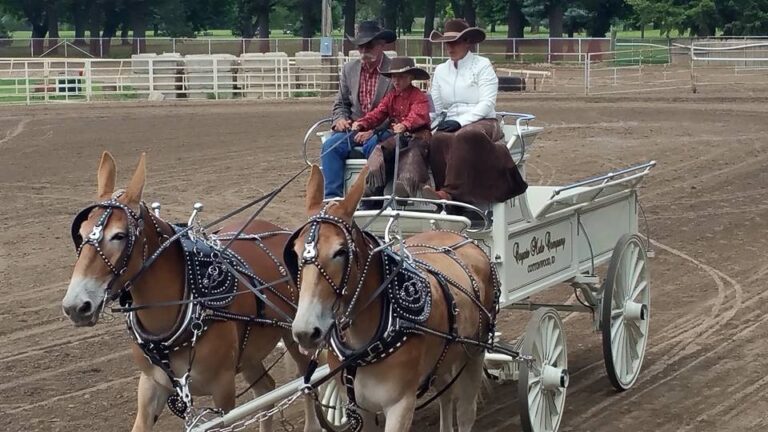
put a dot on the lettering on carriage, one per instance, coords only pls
(541, 248)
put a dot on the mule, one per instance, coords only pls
(230, 333)
(396, 327)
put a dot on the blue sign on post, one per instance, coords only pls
(326, 46)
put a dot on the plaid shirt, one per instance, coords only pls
(369, 77)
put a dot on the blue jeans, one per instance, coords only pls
(336, 151)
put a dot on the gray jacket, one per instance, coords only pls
(347, 104)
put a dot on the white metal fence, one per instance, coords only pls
(171, 76)
(727, 62)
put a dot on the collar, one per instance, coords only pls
(464, 62)
(366, 68)
(404, 91)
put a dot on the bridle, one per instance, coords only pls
(309, 256)
(94, 238)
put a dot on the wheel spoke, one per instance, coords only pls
(553, 409)
(555, 358)
(553, 344)
(631, 266)
(638, 289)
(534, 402)
(618, 353)
(637, 272)
(616, 325)
(615, 313)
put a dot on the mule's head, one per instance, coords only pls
(323, 258)
(106, 236)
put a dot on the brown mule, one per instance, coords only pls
(340, 270)
(122, 233)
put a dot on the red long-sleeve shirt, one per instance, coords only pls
(409, 107)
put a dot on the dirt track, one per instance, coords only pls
(706, 202)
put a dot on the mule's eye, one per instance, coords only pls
(118, 237)
(341, 253)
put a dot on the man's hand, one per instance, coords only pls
(449, 126)
(362, 137)
(341, 124)
(399, 128)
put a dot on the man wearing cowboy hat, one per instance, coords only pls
(361, 88)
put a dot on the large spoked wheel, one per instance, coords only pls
(625, 311)
(330, 406)
(542, 383)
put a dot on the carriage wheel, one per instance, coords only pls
(330, 406)
(543, 381)
(625, 311)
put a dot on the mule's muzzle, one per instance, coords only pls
(310, 338)
(82, 314)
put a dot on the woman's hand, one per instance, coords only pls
(356, 126)
(399, 128)
(449, 126)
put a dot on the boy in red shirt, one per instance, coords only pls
(408, 109)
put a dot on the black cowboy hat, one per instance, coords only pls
(370, 30)
(456, 29)
(405, 65)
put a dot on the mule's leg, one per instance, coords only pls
(151, 400)
(470, 382)
(223, 391)
(256, 375)
(311, 423)
(369, 421)
(400, 415)
(446, 411)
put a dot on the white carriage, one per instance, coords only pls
(548, 236)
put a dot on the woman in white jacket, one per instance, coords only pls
(469, 160)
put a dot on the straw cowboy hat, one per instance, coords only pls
(370, 30)
(405, 65)
(456, 29)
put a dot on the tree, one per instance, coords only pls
(492, 12)
(515, 19)
(743, 17)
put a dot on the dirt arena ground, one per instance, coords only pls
(707, 203)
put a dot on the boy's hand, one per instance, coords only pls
(399, 128)
(362, 137)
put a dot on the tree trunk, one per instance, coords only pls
(263, 26)
(514, 25)
(458, 11)
(601, 24)
(111, 24)
(138, 16)
(389, 11)
(124, 34)
(350, 10)
(94, 25)
(429, 25)
(245, 19)
(556, 20)
(53, 29)
(514, 20)
(642, 31)
(469, 12)
(80, 21)
(307, 23)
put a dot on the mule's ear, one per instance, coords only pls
(315, 186)
(106, 177)
(350, 202)
(135, 188)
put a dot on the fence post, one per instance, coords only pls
(26, 78)
(151, 75)
(215, 78)
(88, 81)
(586, 75)
(209, 46)
(173, 44)
(549, 50)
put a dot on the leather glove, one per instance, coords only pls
(449, 126)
